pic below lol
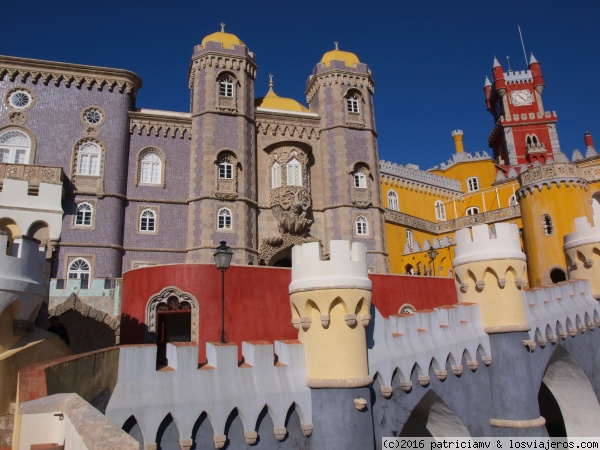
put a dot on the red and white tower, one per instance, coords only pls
(524, 133)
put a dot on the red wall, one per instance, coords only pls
(257, 302)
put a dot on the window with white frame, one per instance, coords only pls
(294, 173)
(409, 238)
(472, 184)
(151, 168)
(362, 226)
(512, 201)
(360, 180)
(79, 269)
(275, 175)
(472, 211)
(88, 159)
(440, 210)
(226, 86)
(83, 216)
(225, 170)
(224, 219)
(393, 201)
(15, 147)
(148, 220)
(352, 101)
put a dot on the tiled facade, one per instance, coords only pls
(330, 142)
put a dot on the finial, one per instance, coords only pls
(496, 63)
(222, 27)
(271, 82)
(336, 45)
(508, 62)
(532, 60)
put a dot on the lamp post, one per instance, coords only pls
(223, 260)
(432, 253)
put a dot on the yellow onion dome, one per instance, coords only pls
(274, 101)
(227, 39)
(350, 59)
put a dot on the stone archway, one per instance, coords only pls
(432, 417)
(573, 392)
(161, 300)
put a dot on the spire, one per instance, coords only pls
(271, 91)
(336, 45)
(487, 82)
(222, 27)
(496, 63)
(532, 59)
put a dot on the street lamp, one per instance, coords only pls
(223, 260)
(432, 253)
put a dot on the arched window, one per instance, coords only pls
(224, 219)
(294, 173)
(148, 220)
(275, 175)
(362, 226)
(512, 201)
(226, 86)
(360, 180)
(440, 210)
(409, 238)
(393, 201)
(151, 168)
(88, 159)
(15, 147)
(79, 269)
(352, 101)
(83, 216)
(225, 170)
(472, 211)
(532, 140)
(472, 184)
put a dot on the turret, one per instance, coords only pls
(457, 137)
(331, 303)
(536, 73)
(551, 197)
(582, 252)
(490, 270)
(487, 90)
(499, 81)
(589, 145)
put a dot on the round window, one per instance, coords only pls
(20, 99)
(93, 116)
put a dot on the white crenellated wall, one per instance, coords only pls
(216, 388)
(426, 338)
(346, 267)
(25, 209)
(585, 233)
(481, 244)
(582, 252)
(555, 312)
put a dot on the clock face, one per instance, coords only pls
(521, 98)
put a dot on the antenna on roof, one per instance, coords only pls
(523, 45)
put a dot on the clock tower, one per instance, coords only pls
(524, 132)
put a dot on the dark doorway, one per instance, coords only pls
(173, 326)
(558, 275)
(284, 262)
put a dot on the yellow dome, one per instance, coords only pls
(350, 59)
(227, 39)
(274, 101)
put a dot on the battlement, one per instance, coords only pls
(558, 311)
(420, 176)
(346, 268)
(518, 76)
(25, 267)
(424, 342)
(585, 233)
(547, 174)
(482, 243)
(18, 183)
(275, 379)
(529, 116)
(457, 133)
(462, 157)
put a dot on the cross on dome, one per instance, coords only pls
(222, 27)
(336, 45)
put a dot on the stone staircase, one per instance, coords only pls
(6, 429)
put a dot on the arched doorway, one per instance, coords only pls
(432, 417)
(171, 316)
(12, 230)
(574, 395)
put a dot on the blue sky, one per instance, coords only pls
(429, 59)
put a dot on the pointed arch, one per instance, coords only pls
(168, 435)
(162, 298)
(203, 432)
(133, 428)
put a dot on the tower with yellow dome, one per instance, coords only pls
(340, 90)
(222, 157)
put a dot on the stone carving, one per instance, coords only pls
(273, 246)
(291, 209)
(17, 118)
(168, 299)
